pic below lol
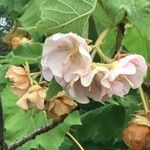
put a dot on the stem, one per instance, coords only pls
(101, 37)
(93, 53)
(27, 68)
(75, 141)
(103, 56)
(144, 102)
(1, 126)
(97, 45)
(35, 74)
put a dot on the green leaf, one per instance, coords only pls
(20, 123)
(102, 124)
(101, 22)
(9, 102)
(3, 70)
(58, 16)
(135, 42)
(26, 52)
(30, 17)
(67, 145)
(30, 121)
(23, 123)
(32, 14)
(108, 47)
(101, 18)
(29, 50)
(55, 137)
(13, 8)
(138, 12)
(139, 15)
(53, 89)
(2, 86)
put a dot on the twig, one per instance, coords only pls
(144, 102)
(74, 140)
(33, 135)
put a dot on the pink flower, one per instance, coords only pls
(89, 86)
(65, 56)
(101, 83)
(126, 73)
(115, 87)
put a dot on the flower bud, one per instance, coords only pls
(34, 96)
(16, 41)
(137, 135)
(59, 107)
(20, 79)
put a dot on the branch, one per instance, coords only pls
(33, 135)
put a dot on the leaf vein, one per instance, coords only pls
(87, 13)
(65, 12)
(69, 7)
(87, 2)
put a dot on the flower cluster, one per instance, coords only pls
(66, 57)
(29, 95)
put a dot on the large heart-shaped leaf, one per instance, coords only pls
(54, 16)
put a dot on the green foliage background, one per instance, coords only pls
(102, 125)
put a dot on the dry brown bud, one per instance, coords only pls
(16, 41)
(20, 79)
(137, 135)
(34, 96)
(60, 106)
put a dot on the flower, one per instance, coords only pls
(65, 56)
(89, 86)
(20, 79)
(133, 68)
(34, 96)
(60, 106)
(103, 82)
(125, 73)
(92, 85)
